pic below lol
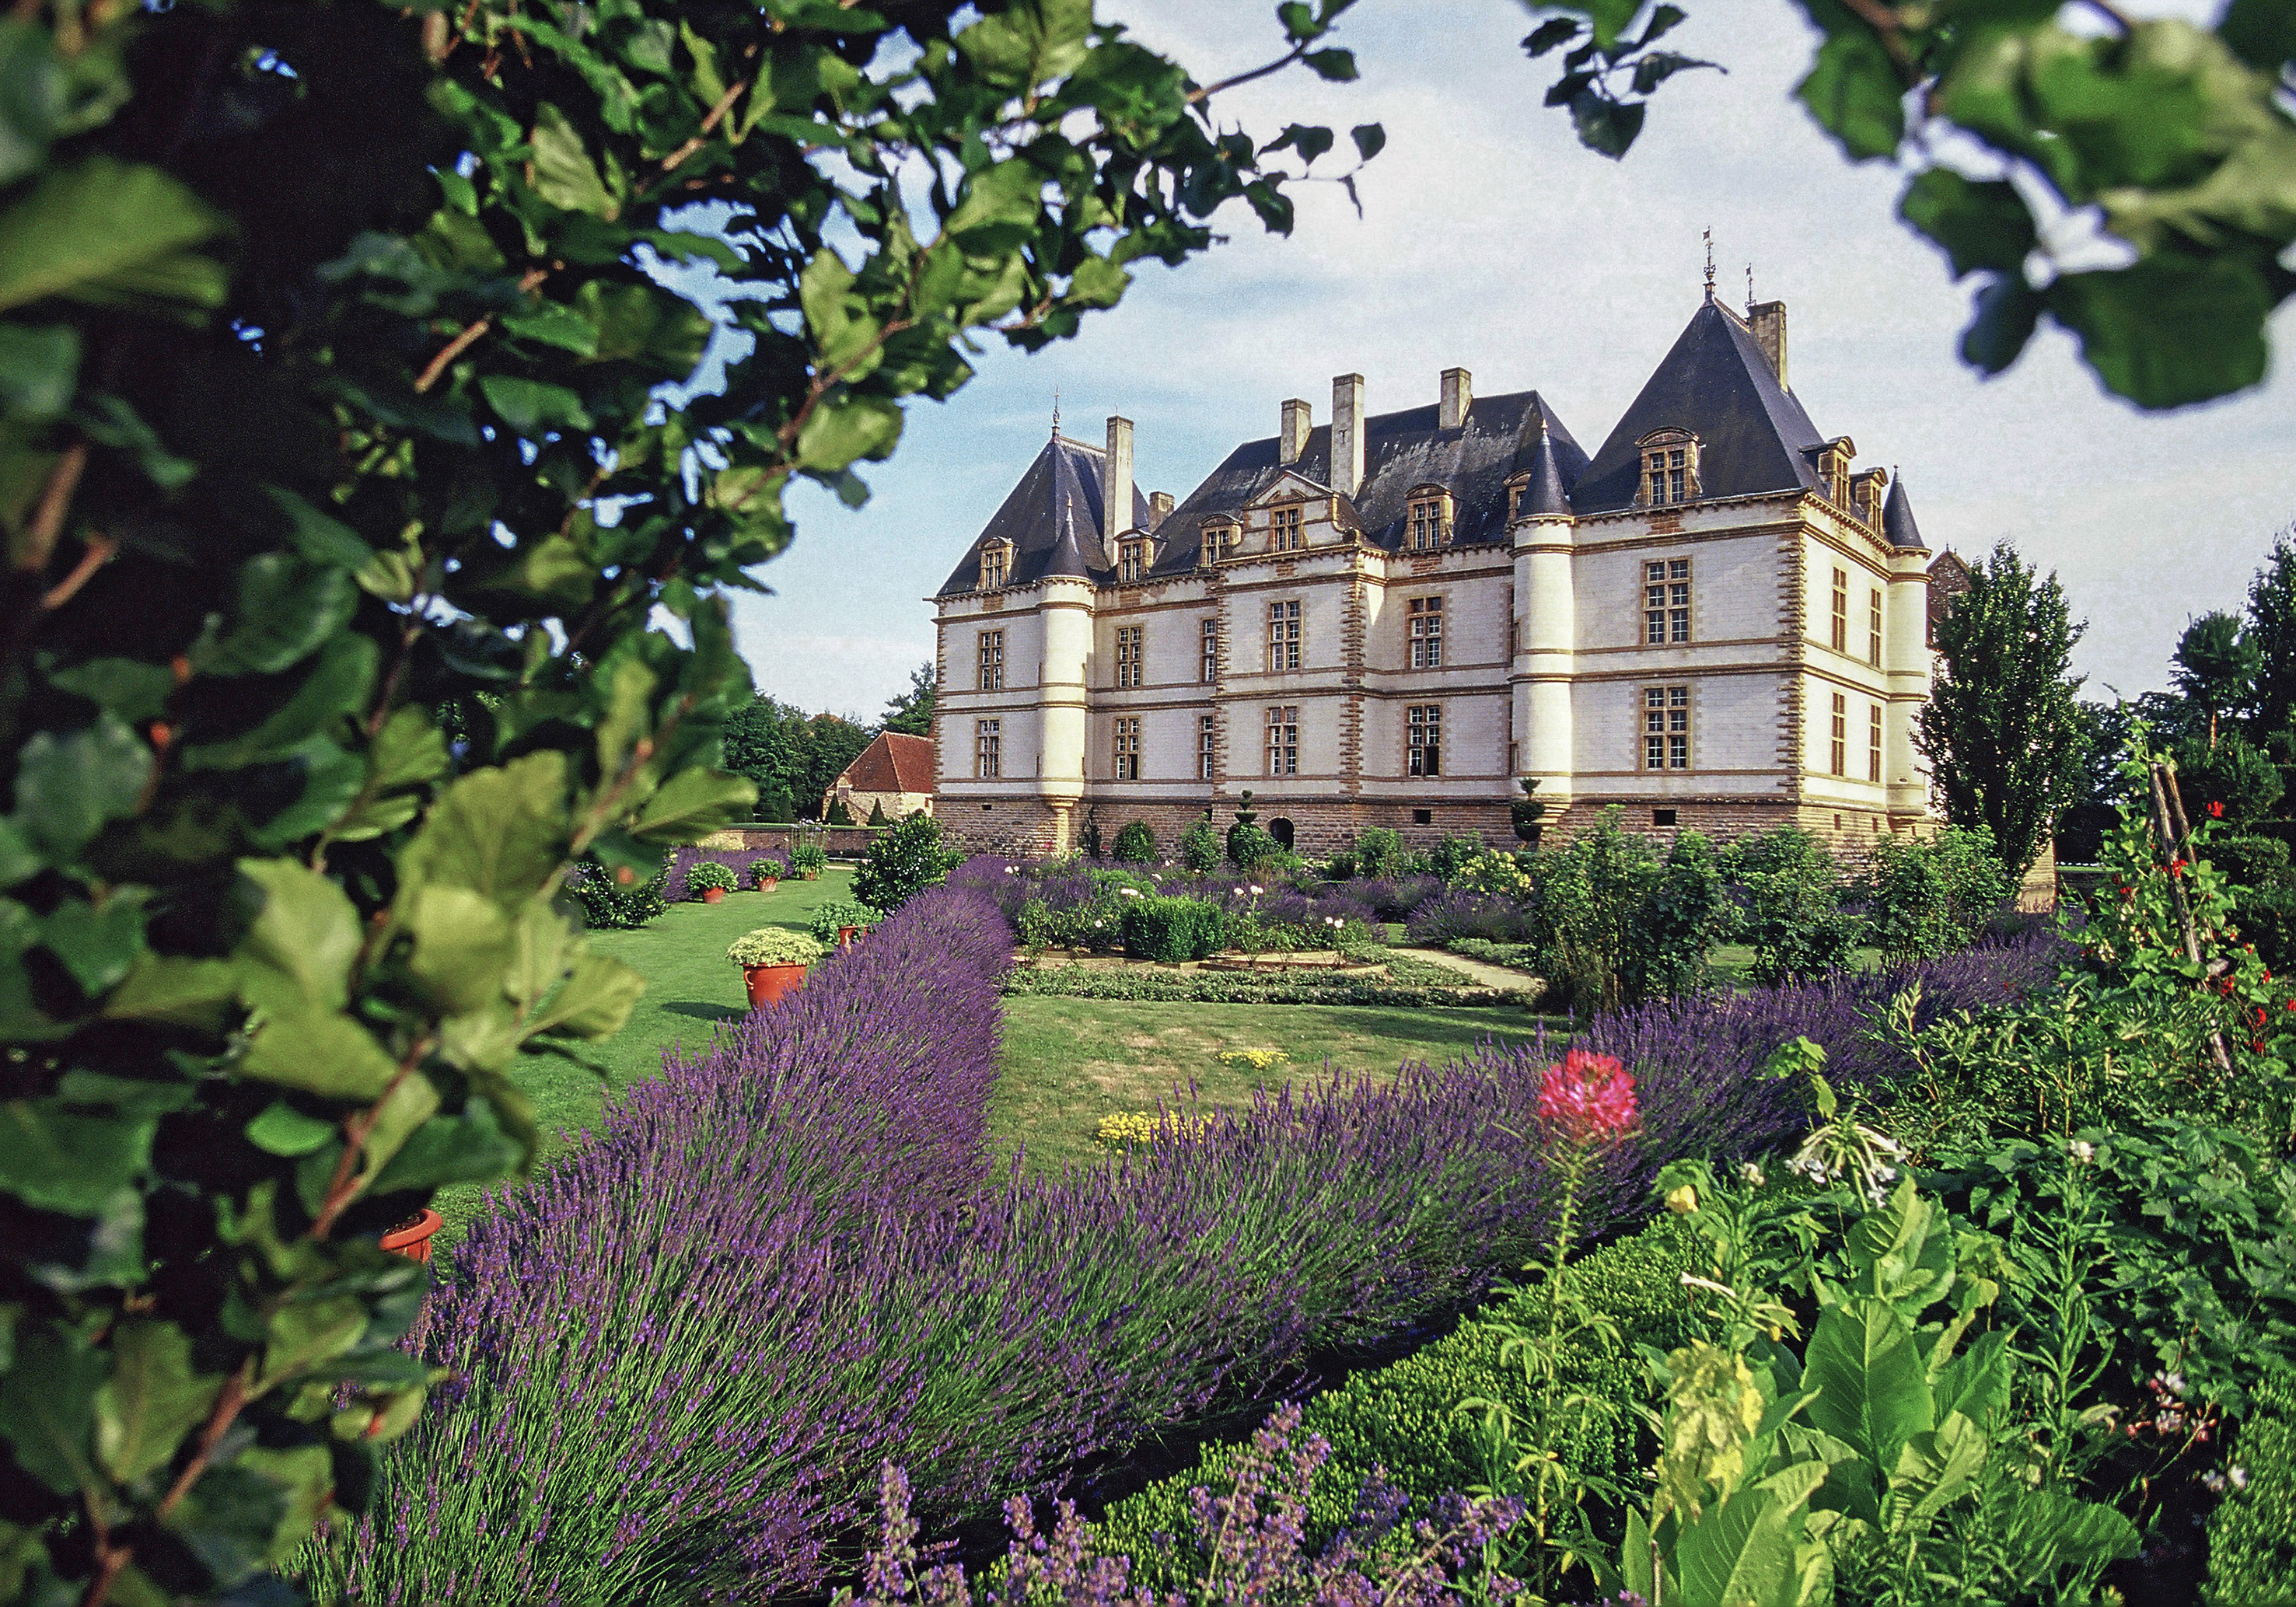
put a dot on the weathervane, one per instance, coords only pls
(1056, 413)
(1749, 288)
(1709, 265)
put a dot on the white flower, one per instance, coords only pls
(2174, 1382)
(2214, 1480)
(1011, 869)
(2083, 1150)
(1129, 892)
(1749, 1172)
(2239, 1477)
(1255, 892)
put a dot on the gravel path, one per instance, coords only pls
(1486, 974)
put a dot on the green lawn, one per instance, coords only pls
(1067, 1063)
(692, 986)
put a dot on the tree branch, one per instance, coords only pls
(99, 552)
(1278, 65)
(470, 335)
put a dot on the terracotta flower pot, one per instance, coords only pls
(808, 875)
(771, 984)
(848, 936)
(768, 884)
(713, 895)
(413, 1239)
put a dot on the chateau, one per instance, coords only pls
(1716, 622)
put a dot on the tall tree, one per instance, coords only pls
(911, 712)
(2272, 628)
(2002, 730)
(2216, 668)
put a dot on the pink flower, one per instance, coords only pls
(1588, 1098)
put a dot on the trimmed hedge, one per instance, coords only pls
(2253, 1534)
(1173, 929)
(1243, 988)
(1401, 1418)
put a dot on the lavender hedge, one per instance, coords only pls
(738, 860)
(681, 1355)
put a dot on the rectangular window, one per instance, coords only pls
(1424, 737)
(1132, 562)
(1283, 529)
(1841, 734)
(992, 661)
(995, 563)
(1874, 743)
(1666, 602)
(1207, 660)
(1668, 469)
(988, 749)
(1425, 622)
(1427, 524)
(1126, 749)
(1873, 628)
(1666, 727)
(1283, 740)
(1283, 636)
(1841, 610)
(1127, 655)
(1205, 739)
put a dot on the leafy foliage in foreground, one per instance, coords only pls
(333, 340)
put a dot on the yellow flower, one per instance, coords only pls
(1681, 1200)
(1258, 1060)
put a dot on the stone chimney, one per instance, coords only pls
(1347, 433)
(1160, 503)
(1298, 424)
(1116, 483)
(1458, 395)
(1768, 323)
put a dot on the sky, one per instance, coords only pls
(1490, 240)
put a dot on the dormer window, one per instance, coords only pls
(995, 564)
(1833, 471)
(1515, 489)
(1220, 538)
(1284, 532)
(1428, 522)
(1132, 559)
(1670, 468)
(1866, 495)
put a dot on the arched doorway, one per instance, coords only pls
(1280, 829)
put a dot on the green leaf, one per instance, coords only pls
(1743, 1550)
(409, 750)
(337, 683)
(54, 1160)
(303, 1334)
(1604, 125)
(1980, 225)
(97, 944)
(462, 945)
(1337, 66)
(1934, 1470)
(2169, 332)
(555, 323)
(551, 569)
(281, 1129)
(332, 782)
(563, 173)
(283, 608)
(320, 537)
(644, 321)
(1548, 34)
(102, 229)
(177, 991)
(1872, 1386)
(2008, 309)
(1098, 282)
(69, 788)
(693, 804)
(152, 1400)
(848, 427)
(1854, 92)
(306, 930)
(501, 830)
(532, 407)
(316, 1050)
(1032, 42)
(1976, 1383)
(129, 688)
(1370, 139)
(595, 1002)
(39, 369)
(411, 1101)
(47, 1408)
(2261, 33)
(468, 1148)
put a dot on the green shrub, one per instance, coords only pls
(1173, 929)
(1523, 955)
(1402, 1417)
(1616, 924)
(1200, 847)
(773, 945)
(1135, 844)
(902, 862)
(762, 871)
(708, 874)
(837, 912)
(2253, 1534)
(1794, 916)
(1249, 987)
(808, 856)
(1927, 897)
(838, 814)
(1452, 854)
(1378, 853)
(607, 906)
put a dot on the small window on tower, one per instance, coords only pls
(1283, 530)
(1670, 468)
(995, 564)
(1429, 521)
(1131, 561)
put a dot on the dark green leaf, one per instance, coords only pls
(281, 1129)
(1548, 34)
(1605, 125)
(1338, 66)
(47, 1408)
(532, 407)
(2007, 309)
(1309, 141)
(693, 804)
(1854, 92)
(1663, 20)
(2164, 332)
(39, 369)
(96, 944)
(284, 608)
(67, 787)
(320, 537)
(1980, 225)
(1034, 41)
(54, 1160)
(129, 688)
(1660, 65)
(103, 228)
(152, 1400)
(1370, 140)
(2261, 33)
(336, 684)
(332, 781)
(468, 1148)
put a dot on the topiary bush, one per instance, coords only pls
(1200, 848)
(902, 861)
(1173, 929)
(1135, 844)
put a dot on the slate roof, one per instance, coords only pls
(1897, 526)
(895, 762)
(1504, 436)
(1753, 435)
(1051, 519)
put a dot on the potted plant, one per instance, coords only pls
(710, 881)
(773, 960)
(841, 922)
(766, 874)
(808, 859)
(411, 1237)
